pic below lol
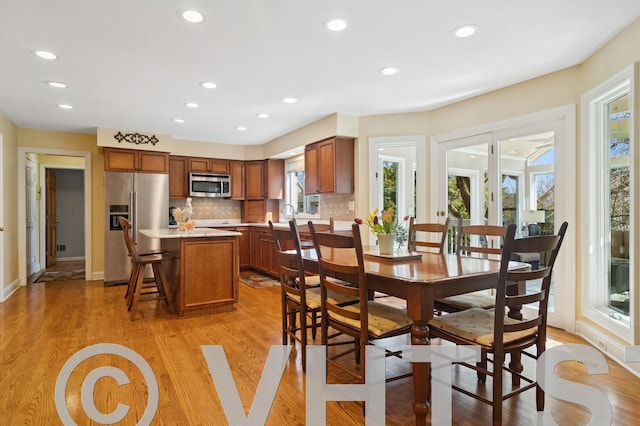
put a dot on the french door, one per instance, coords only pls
(510, 175)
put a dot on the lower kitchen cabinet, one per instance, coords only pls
(244, 245)
(264, 253)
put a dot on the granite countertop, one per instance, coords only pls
(340, 225)
(191, 233)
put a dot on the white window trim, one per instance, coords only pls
(593, 128)
(294, 164)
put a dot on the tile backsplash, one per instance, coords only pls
(331, 205)
(336, 206)
(211, 208)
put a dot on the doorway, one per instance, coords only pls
(509, 172)
(398, 174)
(83, 161)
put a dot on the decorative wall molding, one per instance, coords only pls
(136, 138)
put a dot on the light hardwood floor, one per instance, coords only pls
(44, 325)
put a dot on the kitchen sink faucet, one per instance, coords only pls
(293, 210)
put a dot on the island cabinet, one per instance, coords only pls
(178, 177)
(208, 165)
(237, 180)
(132, 160)
(203, 270)
(329, 166)
(265, 253)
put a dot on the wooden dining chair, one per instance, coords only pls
(428, 236)
(300, 292)
(476, 241)
(137, 289)
(341, 266)
(305, 233)
(498, 334)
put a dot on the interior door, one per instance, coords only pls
(51, 222)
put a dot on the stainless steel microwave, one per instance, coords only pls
(209, 185)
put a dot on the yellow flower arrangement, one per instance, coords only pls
(386, 223)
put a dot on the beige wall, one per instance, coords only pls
(9, 202)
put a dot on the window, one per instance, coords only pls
(306, 205)
(609, 127)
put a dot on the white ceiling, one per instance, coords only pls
(132, 64)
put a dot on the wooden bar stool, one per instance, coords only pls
(137, 289)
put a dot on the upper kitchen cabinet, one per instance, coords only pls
(328, 166)
(237, 180)
(131, 160)
(178, 177)
(208, 165)
(264, 179)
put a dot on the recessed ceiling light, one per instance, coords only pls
(335, 24)
(65, 106)
(290, 100)
(56, 84)
(208, 85)
(464, 31)
(241, 128)
(178, 120)
(192, 104)
(389, 71)
(44, 54)
(192, 16)
(262, 115)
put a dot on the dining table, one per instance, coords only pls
(420, 279)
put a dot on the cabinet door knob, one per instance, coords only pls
(1, 228)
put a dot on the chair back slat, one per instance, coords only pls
(291, 266)
(430, 236)
(476, 239)
(347, 267)
(128, 240)
(539, 279)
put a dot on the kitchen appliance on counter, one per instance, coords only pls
(209, 185)
(143, 199)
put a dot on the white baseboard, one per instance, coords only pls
(68, 259)
(7, 291)
(606, 345)
(96, 276)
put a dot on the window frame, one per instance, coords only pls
(596, 236)
(296, 164)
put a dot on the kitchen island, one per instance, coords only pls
(203, 270)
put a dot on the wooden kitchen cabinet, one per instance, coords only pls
(260, 211)
(244, 245)
(329, 166)
(208, 165)
(132, 160)
(237, 180)
(265, 254)
(178, 177)
(264, 179)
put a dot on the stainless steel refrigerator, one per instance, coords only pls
(143, 199)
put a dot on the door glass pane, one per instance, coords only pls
(390, 185)
(528, 187)
(467, 187)
(619, 204)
